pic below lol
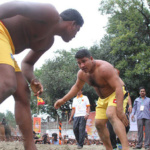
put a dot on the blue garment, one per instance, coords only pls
(55, 142)
(145, 114)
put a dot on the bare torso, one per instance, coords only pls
(96, 80)
(27, 33)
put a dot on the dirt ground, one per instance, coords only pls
(19, 146)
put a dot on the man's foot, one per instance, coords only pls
(79, 147)
(137, 147)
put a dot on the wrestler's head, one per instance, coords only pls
(85, 60)
(74, 21)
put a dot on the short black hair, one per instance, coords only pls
(72, 15)
(83, 53)
(142, 87)
(55, 136)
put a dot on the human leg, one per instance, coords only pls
(76, 128)
(103, 132)
(82, 125)
(22, 111)
(118, 126)
(112, 135)
(8, 83)
(147, 133)
(140, 132)
(100, 123)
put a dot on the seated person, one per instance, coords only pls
(54, 139)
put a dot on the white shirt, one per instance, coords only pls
(80, 104)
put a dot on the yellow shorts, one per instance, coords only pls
(7, 49)
(102, 104)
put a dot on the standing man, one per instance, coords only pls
(142, 108)
(29, 25)
(80, 112)
(106, 82)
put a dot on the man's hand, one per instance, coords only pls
(132, 118)
(58, 103)
(70, 120)
(36, 87)
(123, 118)
(86, 116)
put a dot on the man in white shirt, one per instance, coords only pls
(80, 112)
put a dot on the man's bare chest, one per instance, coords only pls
(95, 81)
(41, 44)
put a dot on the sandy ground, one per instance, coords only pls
(19, 146)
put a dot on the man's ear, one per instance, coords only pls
(73, 23)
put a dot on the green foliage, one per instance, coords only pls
(129, 28)
(2, 115)
(10, 118)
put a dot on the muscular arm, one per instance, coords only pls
(35, 11)
(111, 77)
(28, 63)
(73, 91)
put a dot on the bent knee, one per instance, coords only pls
(111, 115)
(23, 94)
(9, 86)
(100, 123)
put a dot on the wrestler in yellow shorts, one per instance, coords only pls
(7, 49)
(102, 104)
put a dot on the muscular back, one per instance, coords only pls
(29, 31)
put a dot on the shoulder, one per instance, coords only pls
(148, 98)
(81, 75)
(85, 96)
(53, 13)
(137, 99)
(47, 12)
(105, 68)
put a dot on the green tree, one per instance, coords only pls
(2, 115)
(10, 118)
(128, 26)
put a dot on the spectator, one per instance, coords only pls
(38, 135)
(80, 112)
(65, 140)
(45, 139)
(142, 108)
(4, 121)
(54, 139)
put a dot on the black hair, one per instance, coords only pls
(83, 53)
(72, 15)
(55, 136)
(142, 87)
